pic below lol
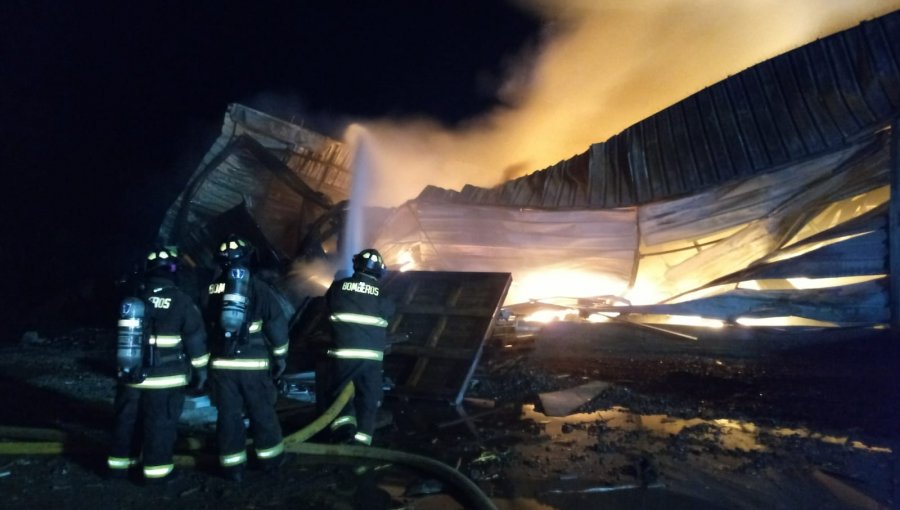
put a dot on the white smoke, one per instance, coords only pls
(602, 66)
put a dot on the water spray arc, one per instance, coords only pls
(363, 167)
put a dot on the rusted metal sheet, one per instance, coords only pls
(445, 318)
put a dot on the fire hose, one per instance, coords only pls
(295, 443)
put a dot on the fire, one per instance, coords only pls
(614, 50)
(562, 283)
(596, 72)
(546, 316)
(406, 261)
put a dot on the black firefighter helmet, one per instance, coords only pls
(161, 260)
(235, 249)
(370, 262)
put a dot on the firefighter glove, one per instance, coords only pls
(278, 367)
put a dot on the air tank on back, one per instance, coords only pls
(235, 300)
(129, 353)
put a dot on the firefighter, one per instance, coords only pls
(249, 345)
(358, 314)
(161, 349)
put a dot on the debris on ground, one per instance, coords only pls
(815, 427)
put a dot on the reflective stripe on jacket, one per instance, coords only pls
(356, 354)
(162, 382)
(240, 364)
(358, 315)
(356, 318)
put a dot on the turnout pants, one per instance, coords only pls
(145, 429)
(252, 392)
(358, 416)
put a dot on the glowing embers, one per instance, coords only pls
(590, 309)
(540, 311)
(563, 283)
(551, 315)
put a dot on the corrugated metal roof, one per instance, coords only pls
(801, 104)
(286, 176)
(861, 249)
(859, 304)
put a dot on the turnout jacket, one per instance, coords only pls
(358, 315)
(176, 332)
(265, 333)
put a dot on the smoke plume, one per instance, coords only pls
(602, 65)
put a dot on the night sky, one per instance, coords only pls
(106, 108)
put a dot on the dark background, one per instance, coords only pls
(106, 108)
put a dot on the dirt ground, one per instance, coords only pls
(763, 419)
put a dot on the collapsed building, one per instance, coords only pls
(762, 199)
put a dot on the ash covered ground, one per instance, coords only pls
(763, 419)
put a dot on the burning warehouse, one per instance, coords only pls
(761, 199)
(696, 312)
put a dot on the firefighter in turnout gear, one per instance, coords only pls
(249, 345)
(161, 350)
(358, 315)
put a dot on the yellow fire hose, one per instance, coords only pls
(295, 443)
(324, 419)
